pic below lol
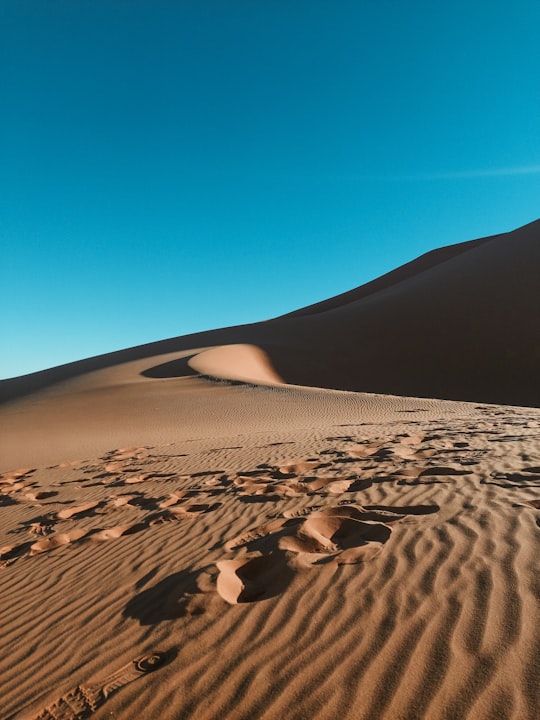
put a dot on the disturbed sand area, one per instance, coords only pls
(383, 565)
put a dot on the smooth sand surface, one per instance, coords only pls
(176, 546)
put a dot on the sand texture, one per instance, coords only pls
(202, 528)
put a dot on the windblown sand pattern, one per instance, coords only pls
(365, 584)
(298, 552)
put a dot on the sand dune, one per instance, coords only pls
(458, 323)
(262, 545)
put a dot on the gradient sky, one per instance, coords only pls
(170, 167)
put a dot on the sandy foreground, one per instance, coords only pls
(296, 553)
(184, 533)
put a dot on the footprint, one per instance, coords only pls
(261, 484)
(301, 512)
(131, 454)
(284, 484)
(331, 485)
(173, 499)
(79, 510)
(251, 579)
(212, 482)
(114, 467)
(83, 700)
(342, 531)
(444, 470)
(407, 452)
(362, 451)
(14, 482)
(342, 535)
(246, 481)
(13, 475)
(260, 532)
(40, 527)
(6, 499)
(122, 500)
(412, 439)
(304, 539)
(40, 495)
(56, 541)
(292, 489)
(116, 532)
(10, 553)
(415, 475)
(71, 464)
(345, 438)
(260, 489)
(298, 467)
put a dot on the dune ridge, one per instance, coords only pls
(421, 264)
(459, 323)
(240, 363)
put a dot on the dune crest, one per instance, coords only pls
(241, 363)
(459, 323)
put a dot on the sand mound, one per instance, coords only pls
(242, 363)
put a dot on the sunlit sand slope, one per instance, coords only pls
(361, 570)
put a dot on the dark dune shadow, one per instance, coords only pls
(173, 369)
(361, 484)
(47, 520)
(167, 600)
(144, 502)
(263, 577)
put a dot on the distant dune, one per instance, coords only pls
(457, 323)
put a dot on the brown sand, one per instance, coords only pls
(175, 547)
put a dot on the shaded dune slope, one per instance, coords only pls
(466, 328)
(420, 264)
(458, 323)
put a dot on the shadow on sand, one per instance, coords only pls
(173, 369)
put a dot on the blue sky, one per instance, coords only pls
(170, 167)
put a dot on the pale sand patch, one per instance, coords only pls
(244, 363)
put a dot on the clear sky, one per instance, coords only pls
(174, 166)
